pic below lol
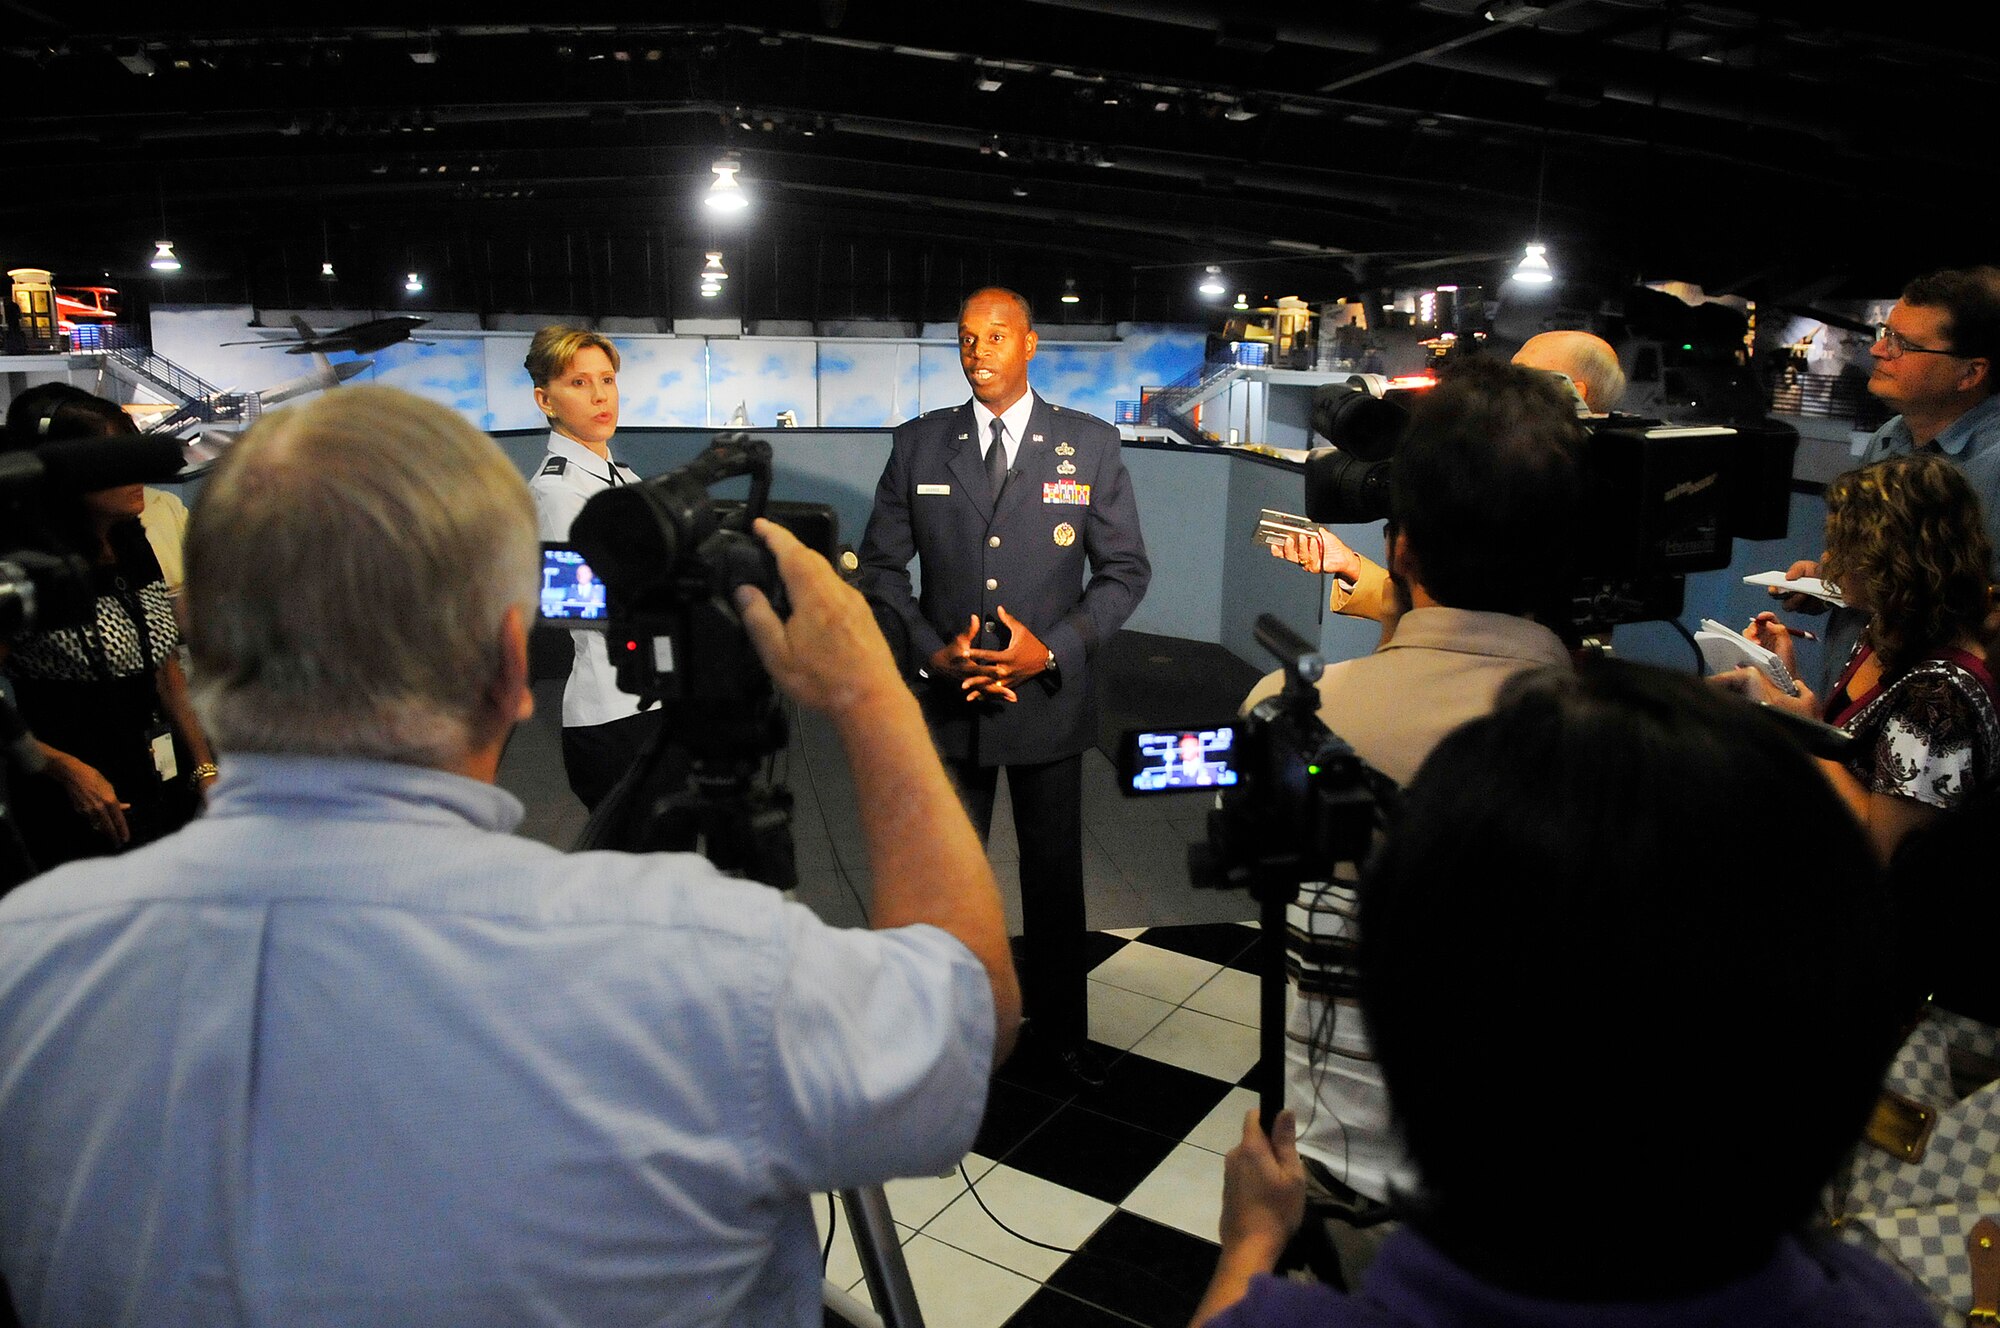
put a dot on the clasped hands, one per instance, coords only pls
(991, 674)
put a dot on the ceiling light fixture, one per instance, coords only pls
(1211, 283)
(163, 257)
(414, 284)
(1069, 295)
(724, 193)
(988, 83)
(1241, 303)
(713, 270)
(1533, 269)
(326, 271)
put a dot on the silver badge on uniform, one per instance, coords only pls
(1062, 449)
(1066, 468)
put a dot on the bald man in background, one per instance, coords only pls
(1586, 360)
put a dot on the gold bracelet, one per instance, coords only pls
(206, 770)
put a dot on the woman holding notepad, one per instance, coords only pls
(1906, 544)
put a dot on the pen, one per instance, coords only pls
(1800, 632)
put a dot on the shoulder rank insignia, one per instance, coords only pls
(554, 466)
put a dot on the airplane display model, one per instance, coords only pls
(361, 338)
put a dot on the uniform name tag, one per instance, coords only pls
(923, 489)
(1066, 491)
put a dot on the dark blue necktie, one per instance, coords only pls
(996, 460)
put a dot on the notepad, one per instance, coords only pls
(1723, 649)
(1805, 585)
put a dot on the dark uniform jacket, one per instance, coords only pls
(1063, 554)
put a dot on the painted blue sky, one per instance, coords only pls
(698, 382)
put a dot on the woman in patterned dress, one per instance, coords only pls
(125, 761)
(1906, 543)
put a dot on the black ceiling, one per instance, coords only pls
(1314, 148)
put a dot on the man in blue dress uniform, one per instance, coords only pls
(1023, 524)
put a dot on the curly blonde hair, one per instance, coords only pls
(1907, 538)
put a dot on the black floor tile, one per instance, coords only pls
(1216, 942)
(1012, 1114)
(1052, 1309)
(1151, 1273)
(1154, 1095)
(1099, 946)
(1030, 1067)
(1093, 1154)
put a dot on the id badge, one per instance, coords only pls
(160, 739)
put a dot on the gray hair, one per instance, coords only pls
(349, 565)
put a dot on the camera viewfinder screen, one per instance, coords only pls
(571, 592)
(1192, 759)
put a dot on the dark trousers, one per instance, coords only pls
(1048, 827)
(596, 756)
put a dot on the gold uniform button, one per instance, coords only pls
(992, 584)
(992, 541)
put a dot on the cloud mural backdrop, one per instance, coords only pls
(697, 382)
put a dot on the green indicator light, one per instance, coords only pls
(1312, 769)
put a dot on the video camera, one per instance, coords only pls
(1294, 801)
(1659, 500)
(671, 556)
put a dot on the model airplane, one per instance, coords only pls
(361, 338)
(324, 377)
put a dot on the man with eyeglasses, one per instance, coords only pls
(1935, 359)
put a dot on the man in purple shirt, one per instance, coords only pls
(1624, 1067)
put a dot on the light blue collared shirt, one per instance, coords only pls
(343, 1051)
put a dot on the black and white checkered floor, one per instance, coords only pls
(1128, 1175)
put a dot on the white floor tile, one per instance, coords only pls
(1151, 971)
(1038, 1209)
(1119, 1018)
(1184, 1192)
(917, 1200)
(1129, 933)
(1202, 1043)
(961, 1290)
(1222, 1128)
(1230, 995)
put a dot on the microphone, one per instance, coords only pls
(85, 465)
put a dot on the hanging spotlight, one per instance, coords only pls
(326, 271)
(1533, 269)
(163, 257)
(1211, 284)
(1069, 295)
(724, 193)
(1241, 303)
(413, 283)
(713, 270)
